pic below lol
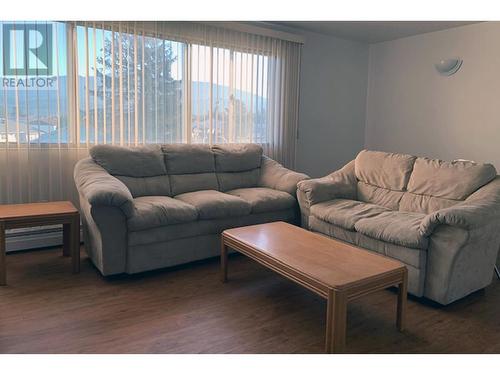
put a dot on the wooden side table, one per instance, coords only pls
(38, 214)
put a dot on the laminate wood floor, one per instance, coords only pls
(46, 309)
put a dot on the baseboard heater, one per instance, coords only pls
(33, 238)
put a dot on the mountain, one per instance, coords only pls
(43, 103)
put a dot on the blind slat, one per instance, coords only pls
(139, 83)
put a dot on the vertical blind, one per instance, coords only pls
(134, 83)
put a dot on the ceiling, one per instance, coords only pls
(373, 31)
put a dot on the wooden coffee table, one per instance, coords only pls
(332, 269)
(38, 214)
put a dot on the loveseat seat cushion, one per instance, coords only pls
(156, 211)
(345, 212)
(213, 204)
(400, 228)
(264, 199)
(415, 259)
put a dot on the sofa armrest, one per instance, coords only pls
(100, 188)
(339, 184)
(478, 210)
(273, 175)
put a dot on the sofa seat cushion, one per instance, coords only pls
(156, 211)
(264, 199)
(345, 212)
(400, 228)
(415, 259)
(212, 204)
(204, 227)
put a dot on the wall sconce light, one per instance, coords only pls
(447, 67)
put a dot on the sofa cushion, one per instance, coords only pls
(212, 204)
(188, 158)
(400, 228)
(384, 169)
(204, 227)
(345, 212)
(424, 203)
(414, 259)
(264, 199)
(236, 180)
(185, 183)
(382, 197)
(237, 165)
(410, 256)
(237, 157)
(156, 211)
(143, 161)
(190, 167)
(450, 180)
(143, 186)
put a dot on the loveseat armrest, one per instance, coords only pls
(100, 188)
(275, 176)
(339, 184)
(478, 210)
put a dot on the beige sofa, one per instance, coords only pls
(442, 219)
(157, 206)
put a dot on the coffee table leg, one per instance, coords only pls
(74, 239)
(402, 297)
(3, 265)
(223, 261)
(336, 319)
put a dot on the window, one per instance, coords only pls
(130, 87)
(229, 96)
(67, 86)
(33, 107)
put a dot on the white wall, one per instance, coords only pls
(412, 109)
(334, 74)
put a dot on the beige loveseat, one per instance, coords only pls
(157, 206)
(442, 219)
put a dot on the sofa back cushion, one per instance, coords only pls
(452, 180)
(382, 177)
(190, 167)
(141, 169)
(383, 169)
(173, 169)
(435, 184)
(415, 184)
(237, 165)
